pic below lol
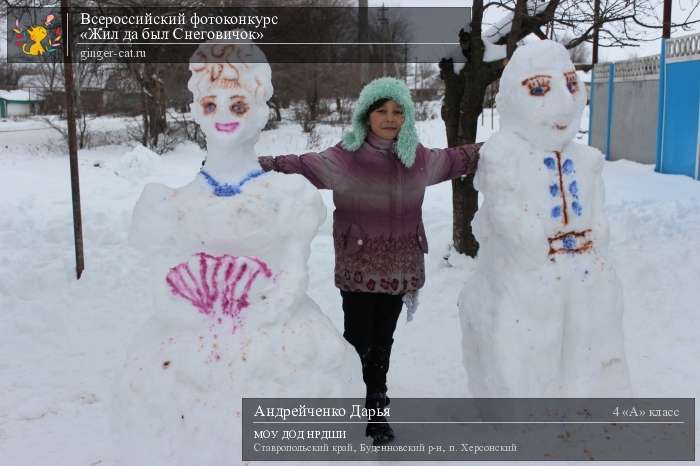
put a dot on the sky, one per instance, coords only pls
(680, 10)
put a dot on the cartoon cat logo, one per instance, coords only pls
(30, 41)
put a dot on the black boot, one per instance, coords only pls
(377, 426)
(375, 364)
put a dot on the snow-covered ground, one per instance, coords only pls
(62, 341)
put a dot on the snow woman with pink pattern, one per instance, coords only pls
(231, 315)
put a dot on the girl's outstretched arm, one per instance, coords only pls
(453, 162)
(322, 169)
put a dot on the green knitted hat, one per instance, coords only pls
(396, 90)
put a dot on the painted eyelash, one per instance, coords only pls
(537, 78)
(571, 81)
(534, 82)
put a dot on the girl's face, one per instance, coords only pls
(386, 121)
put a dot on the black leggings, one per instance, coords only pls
(370, 319)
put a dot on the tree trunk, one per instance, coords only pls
(314, 97)
(83, 131)
(516, 26)
(144, 117)
(466, 92)
(153, 104)
(464, 195)
(464, 99)
(464, 206)
(450, 112)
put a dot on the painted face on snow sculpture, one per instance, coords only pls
(540, 97)
(231, 84)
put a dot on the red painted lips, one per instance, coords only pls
(227, 127)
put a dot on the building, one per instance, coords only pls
(18, 103)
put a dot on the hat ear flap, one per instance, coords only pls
(406, 145)
(352, 140)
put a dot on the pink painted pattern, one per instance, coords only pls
(217, 287)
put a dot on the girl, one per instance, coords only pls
(378, 174)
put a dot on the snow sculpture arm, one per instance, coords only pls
(322, 169)
(504, 219)
(600, 226)
(453, 162)
(153, 218)
(298, 217)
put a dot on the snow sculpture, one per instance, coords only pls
(231, 317)
(542, 313)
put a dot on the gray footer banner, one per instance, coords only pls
(471, 429)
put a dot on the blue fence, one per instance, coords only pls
(679, 112)
(648, 109)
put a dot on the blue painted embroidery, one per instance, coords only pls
(578, 210)
(573, 188)
(226, 189)
(569, 242)
(568, 167)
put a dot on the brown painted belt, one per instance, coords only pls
(570, 242)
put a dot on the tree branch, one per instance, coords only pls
(516, 26)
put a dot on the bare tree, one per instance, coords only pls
(308, 84)
(579, 54)
(86, 75)
(619, 23)
(10, 73)
(152, 78)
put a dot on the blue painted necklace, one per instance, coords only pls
(226, 189)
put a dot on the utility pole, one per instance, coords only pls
(362, 38)
(405, 61)
(69, 85)
(596, 29)
(415, 74)
(384, 22)
(667, 20)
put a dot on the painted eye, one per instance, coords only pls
(209, 107)
(573, 86)
(239, 108)
(538, 85)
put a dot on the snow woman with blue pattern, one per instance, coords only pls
(542, 313)
(231, 316)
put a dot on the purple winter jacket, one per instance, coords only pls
(378, 224)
